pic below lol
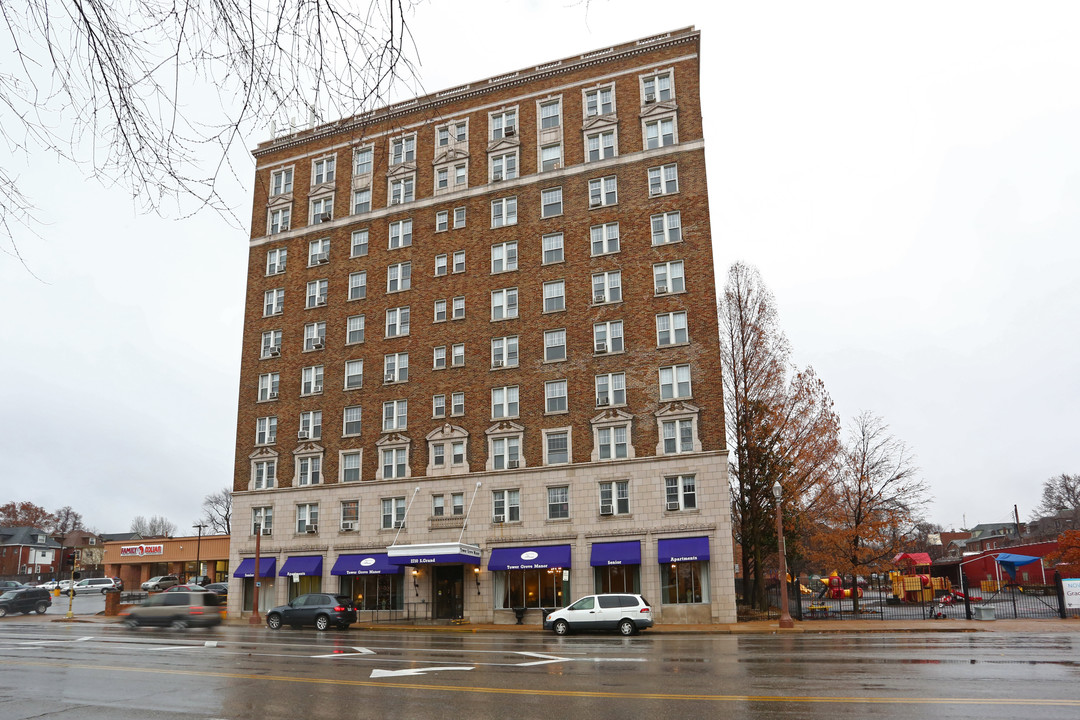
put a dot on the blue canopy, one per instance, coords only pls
(530, 558)
(302, 565)
(247, 567)
(1010, 562)
(374, 564)
(683, 549)
(616, 553)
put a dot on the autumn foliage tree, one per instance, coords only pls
(1068, 553)
(26, 514)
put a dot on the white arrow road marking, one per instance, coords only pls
(616, 659)
(414, 671)
(547, 659)
(56, 642)
(359, 651)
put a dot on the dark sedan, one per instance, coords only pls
(319, 610)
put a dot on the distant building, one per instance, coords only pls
(985, 536)
(27, 553)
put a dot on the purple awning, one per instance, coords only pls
(616, 553)
(374, 564)
(530, 558)
(683, 549)
(302, 565)
(247, 567)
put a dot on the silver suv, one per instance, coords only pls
(159, 583)
(629, 614)
(92, 585)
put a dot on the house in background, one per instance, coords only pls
(985, 536)
(27, 553)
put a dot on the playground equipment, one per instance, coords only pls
(834, 588)
(913, 583)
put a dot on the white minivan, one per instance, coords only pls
(626, 613)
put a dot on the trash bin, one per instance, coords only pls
(983, 612)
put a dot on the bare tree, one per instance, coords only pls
(217, 511)
(155, 96)
(1061, 494)
(66, 522)
(157, 525)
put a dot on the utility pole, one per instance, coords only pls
(1016, 517)
(255, 619)
(198, 551)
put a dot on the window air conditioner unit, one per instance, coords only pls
(267, 531)
(497, 364)
(512, 464)
(650, 98)
(673, 506)
(398, 524)
(348, 526)
(510, 131)
(496, 177)
(661, 289)
(302, 435)
(316, 388)
(321, 300)
(272, 395)
(606, 510)
(595, 202)
(273, 351)
(322, 259)
(312, 529)
(498, 519)
(598, 298)
(317, 344)
(325, 217)
(602, 402)
(601, 347)
(389, 377)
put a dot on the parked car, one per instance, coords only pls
(98, 585)
(25, 600)
(629, 614)
(222, 589)
(189, 587)
(64, 585)
(10, 584)
(320, 610)
(203, 580)
(49, 585)
(160, 582)
(119, 583)
(178, 610)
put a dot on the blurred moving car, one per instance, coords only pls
(178, 610)
(320, 610)
(25, 600)
(189, 587)
(89, 585)
(160, 582)
(222, 589)
(10, 584)
(629, 614)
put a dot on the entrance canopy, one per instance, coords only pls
(433, 554)
(375, 564)
(302, 565)
(1009, 562)
(530, 558)
(683, 549)
(247, 567)
(616, 553)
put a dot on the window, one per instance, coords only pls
(457, 357)
(442, 178)
(438, 505)
(397, 322)
(359, 243)
(554, 296)
(403, 150)
(273, 302)
(457, 503)
(322, 210)
(681, 492)
(675, 382)
(401, 190)
(506, 453)
(678, 436)
(362, 161)
(399, 277)
(600, 102)
(322, 170)
(311, 380)
(314, 336)
(459, 261)
(440, 265)
(550, 115)
(607, 287)
(553, 248)
(504, 402)
(309, 471)
(456, 132)
(350, 509)
(442, 221)
(361, 201)
(671, 329)
(438, 406)
(611, 389)
(554, 345)
(558, 502)
(268, 386)
(666, 228)
(615, 498)
(310, 425)
(275, 261)
(316, 293)
(394, 463)
(605, 238)
(265, 475)
(459, 307)
(668, 278)
(557, 447)
(504, 167)
(280, 219)
(664, 180)
(656, 87)
(440, 358)
(684, 582)
(603, 191)
(400, 234)
(354, 374)
(504, 304)
(600, 145)
(440, 311)
(612, 441)
(354, 331)
(351, 420)
(506, 504)
(555, 396)
(318, 252)
(281, 182)
(504, 351)
(262, 518)
(550, 157)
(503, 124)
(358, 285)
(457, 403)
(504, 212)
(461, 176)
(438, 455)
(459, 217)
(395, 415)
(396, 367)
(660, 133)
(271, 343)
(504, 257)
(393, 513)
(551, 202)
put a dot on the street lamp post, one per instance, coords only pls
(785, 617)
(255, 619)
(198, 552)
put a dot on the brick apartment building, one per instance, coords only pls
(493, 303)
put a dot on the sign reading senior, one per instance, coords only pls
(140, 550)
(1072, 593)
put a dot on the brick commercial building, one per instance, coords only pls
(481, 363)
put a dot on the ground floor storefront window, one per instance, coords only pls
(684, 582)
(617, 579)
(374, 592)
(303, 585)
(532, 588)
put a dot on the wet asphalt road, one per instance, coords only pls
(90, 671)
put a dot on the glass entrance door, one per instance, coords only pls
(448, 588)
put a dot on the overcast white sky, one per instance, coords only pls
(906, 176)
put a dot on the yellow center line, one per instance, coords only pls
(1037, 702)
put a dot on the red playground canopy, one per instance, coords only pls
(912, 559)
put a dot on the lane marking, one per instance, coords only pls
(414, 671)
(56, 642)
(360, 651)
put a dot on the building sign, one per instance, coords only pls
(140, 550)
(1072, 593)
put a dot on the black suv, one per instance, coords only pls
(25, 600)
(318, 609)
